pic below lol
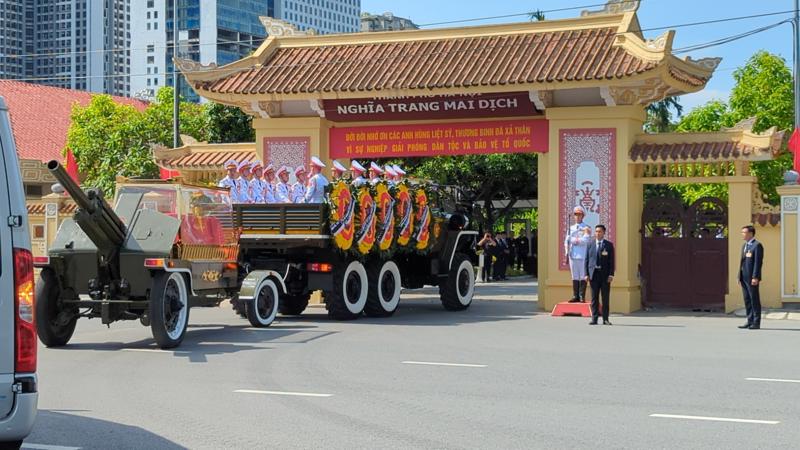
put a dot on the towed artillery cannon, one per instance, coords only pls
(163, 248)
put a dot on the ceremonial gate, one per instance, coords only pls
(684, 254)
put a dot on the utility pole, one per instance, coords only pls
(796, 48)
(176, 104)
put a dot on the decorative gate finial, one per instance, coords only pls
(614, 7)
(279, 28)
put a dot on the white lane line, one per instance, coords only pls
(715, 419)
(48, 447)
(425, 363)
(776, 380)
(292, 394)
(147, 350)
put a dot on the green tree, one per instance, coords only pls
(228, 124)
(486, 177)
(709, 117)
(659, 115)
(158, 119)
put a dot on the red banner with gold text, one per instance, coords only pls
(461, 138)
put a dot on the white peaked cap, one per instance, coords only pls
(299, 170)
(398, 170)
(316, 161)
(282, 170)
(269, 167)
(579, 209)
(375, 167)
(339, 167)
(357, 167)
(390, 171)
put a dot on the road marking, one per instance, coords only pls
(777, 380)
(48, 447)
(424, 363)
(715, 419)
(147, 350)
(292, 394)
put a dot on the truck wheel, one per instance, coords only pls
(169, 309)
(53, 324)
(384, 289)
(293, 305)
(349, 295)
(457, 290)
(263, 308)
(238, 306)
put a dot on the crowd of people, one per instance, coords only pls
(501, 251)
(250, 182)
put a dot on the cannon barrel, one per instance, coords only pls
(95, 216)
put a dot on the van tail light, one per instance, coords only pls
(319, 267)
(41, 261)
(24, 324)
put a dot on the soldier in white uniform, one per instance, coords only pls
(230, 180)
(257, 183)
(375, 173)
(245, 189)
(315, 189)
(575, 244)
(269, 184)
(299, 187)
(358, 174)
(283, 192)
(400, 173)
(338, 170)
(391, 175)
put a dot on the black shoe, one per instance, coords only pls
(594, 322)
(606, 322)
(574, 300)
(754, 327)
(747, 325)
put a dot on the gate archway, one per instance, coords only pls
(684, 254)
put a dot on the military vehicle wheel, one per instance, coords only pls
(384, 289)
(169, 309)
(238, 306)
(349, 295)
(457, 290)
(53, 324)
(261, 311)
(293, 305)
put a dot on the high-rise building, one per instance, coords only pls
(385, 22)
(220, 32)
(77, 44)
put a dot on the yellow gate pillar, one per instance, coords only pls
(588, 164)
(740, 213)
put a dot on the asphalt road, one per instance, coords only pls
(528, 381)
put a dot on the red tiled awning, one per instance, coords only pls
(695, 151)
(40, 208)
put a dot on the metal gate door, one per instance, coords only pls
(684, 254)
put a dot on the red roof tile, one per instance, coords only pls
(38, 209)
(535, 57)
(40, 116)
(208, 160)
(696, 151)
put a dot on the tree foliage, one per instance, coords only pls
(659, 115)
(229, 124)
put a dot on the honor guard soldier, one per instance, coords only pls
(375, 173)
(243, 183)
(229, 181)
(338, 170)
(315, 190)
(400, 173)
(391, 175)
(269, 184)
(257, 183)
(575, 245)
(282, 189)
(299, 187)
(358, 174)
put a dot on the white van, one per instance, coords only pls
(18, 342)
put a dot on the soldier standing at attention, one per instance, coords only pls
(283, 192)
(229, 181)
(243, 183)
(315, 190)
(269, 186)
(299, 187)
(338, 170)
(391, 175)
(575, 244)
(257, 184)
(375, 173)
(358, 173)
(400, 173)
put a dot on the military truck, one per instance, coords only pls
(290, 250)
(162, 249)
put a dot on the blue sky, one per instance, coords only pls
(652, 14)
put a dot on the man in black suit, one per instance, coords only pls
(502, 256)
(523, 249)
(750, 276)
(600, 272)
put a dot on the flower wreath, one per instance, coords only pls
(365, 220)
(422, 220)
(384, 203)
(404, 213)
(341, 214)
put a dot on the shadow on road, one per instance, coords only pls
(70, 430)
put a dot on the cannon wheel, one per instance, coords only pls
(169, 309)
(263, 308)
(347, 299)
(384, 289)
(456, 291)
(54, 325)
(294, 305)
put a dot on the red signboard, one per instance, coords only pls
(509, 104)
(463, 138)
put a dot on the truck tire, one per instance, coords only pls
(169, 309)
(293, 305)
(349, 295)
(456, 291)
(263, 308)
(53, 325)
(238, 306)
(384, 289)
